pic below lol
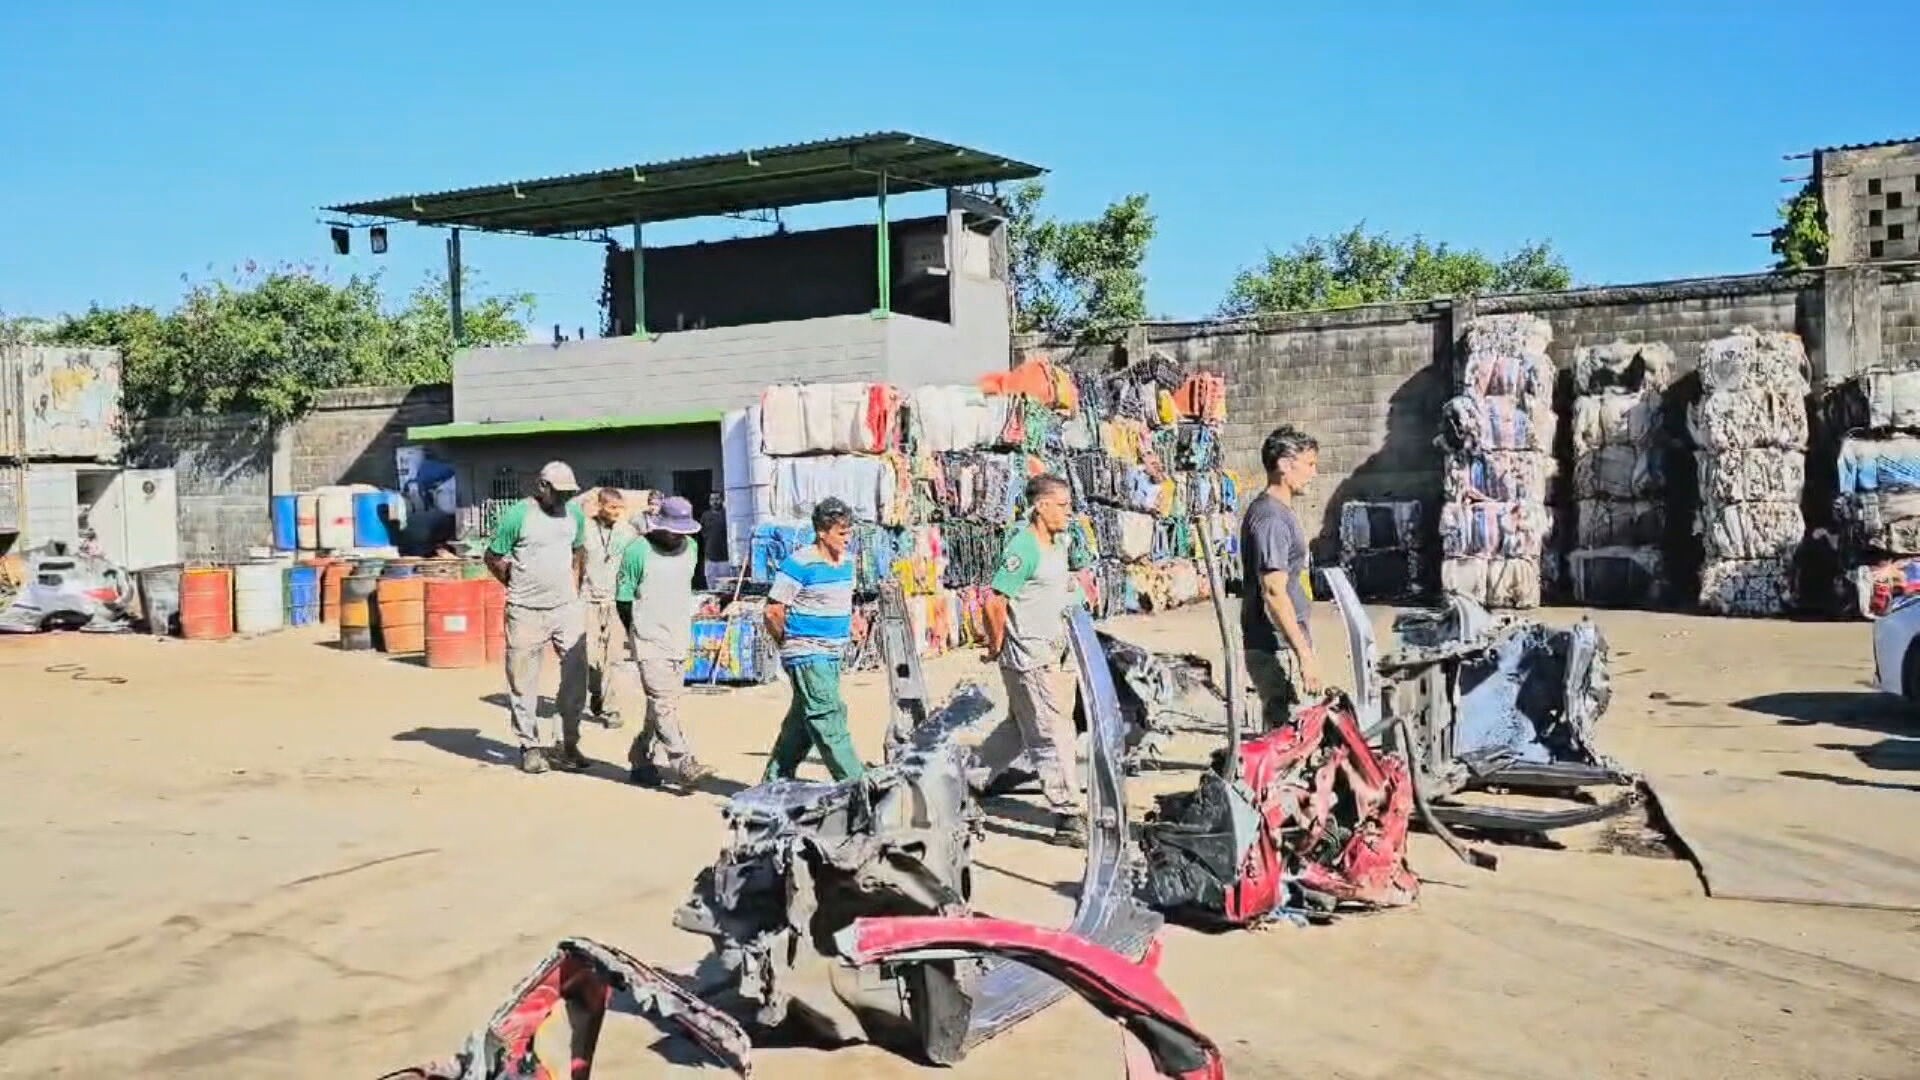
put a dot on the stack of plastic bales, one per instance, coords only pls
(1380, 549)
(1498, 434)
(1878, 489)
(1750, 432)
(1619, 474)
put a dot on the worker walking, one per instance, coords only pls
(1031, 594)
(1275, 640)
(655, 597)
(810, 614)
(608, 536)
(538, 552)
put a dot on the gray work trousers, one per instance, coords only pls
(1037, 722)
(661, 681)
(606, 645)
(1276, 678)
(531, 634)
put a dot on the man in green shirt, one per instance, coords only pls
(1032, 592)
(654, 594)
(538, 552)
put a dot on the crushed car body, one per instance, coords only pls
(805, 860)
(1160, 1040)
(582, 977)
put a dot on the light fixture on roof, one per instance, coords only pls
(377, 239)
(342, 240)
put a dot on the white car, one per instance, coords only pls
(1896, 651)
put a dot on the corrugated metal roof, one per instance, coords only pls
(826, 170)
(1867, 146)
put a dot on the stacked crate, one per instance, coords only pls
(1619, 475)
(1498, 436)
(1750, 432)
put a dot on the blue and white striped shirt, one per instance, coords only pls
(819, 599)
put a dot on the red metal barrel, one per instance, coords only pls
(206, 603)
(456, 634)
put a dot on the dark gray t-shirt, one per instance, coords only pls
(1271, 539)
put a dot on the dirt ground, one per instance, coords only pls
(269, 858)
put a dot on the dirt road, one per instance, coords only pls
(269, 858)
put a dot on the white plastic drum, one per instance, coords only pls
(259, 597)
(336, 518)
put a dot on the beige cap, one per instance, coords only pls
(558, 475)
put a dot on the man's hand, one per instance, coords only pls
(1311, 684)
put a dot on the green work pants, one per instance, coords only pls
(816, 719)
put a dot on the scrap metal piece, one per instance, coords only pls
(1154, 689)
(1108, 913)
(582, 975)
(1161, 1041)
(906, 687)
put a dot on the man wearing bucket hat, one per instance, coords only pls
(538, 552)
(655, 598)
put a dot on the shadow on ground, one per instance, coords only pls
(470, 744)
(1864, 711)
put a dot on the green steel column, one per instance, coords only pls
(883, 254)
(639, 284)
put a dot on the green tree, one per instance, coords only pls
(1359, 267)
(1800, 240)
(272, 342)
(1077, 279)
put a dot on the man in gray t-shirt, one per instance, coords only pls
(1278, 648)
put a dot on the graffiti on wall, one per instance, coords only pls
(72, 399)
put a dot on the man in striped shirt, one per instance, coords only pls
(810, 614)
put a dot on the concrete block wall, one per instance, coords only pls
(350, 436)
(1900, 317)
(1368, 383)
(223, 467)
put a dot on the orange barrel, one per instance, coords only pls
(494, 597)
(456, 623)
(401, 615)
(331, 575)
(206, 603)
(356, 607)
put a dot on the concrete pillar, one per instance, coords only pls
(1850, 332)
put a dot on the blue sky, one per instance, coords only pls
(144, 141)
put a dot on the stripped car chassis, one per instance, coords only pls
(806, 860)
(1478, 704)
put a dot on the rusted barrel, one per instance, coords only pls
(356, 607)
(456, 623)
(332, 574)
(494, 597)
(206, 603)
(402, 624)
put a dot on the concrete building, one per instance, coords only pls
(1871, 194)
(695, 330)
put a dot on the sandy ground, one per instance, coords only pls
(269, 858)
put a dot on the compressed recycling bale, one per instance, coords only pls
(1737, 476)
(1749, 419)
(1747, 587)
(1747, 531)
(1622, 367)
(1494, 583)
(1603, 523)
(1749, 358)
(1626, 577)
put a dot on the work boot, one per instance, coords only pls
(613, 721)
(646, 775)
(688, 771)
(1069, 830)
(570, 759)
(533, 760)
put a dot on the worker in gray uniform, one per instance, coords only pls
(608, 535)
(538, 552)
(1032, 592)
(655, 597)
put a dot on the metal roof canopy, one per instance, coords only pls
(494, 428)
(828, 170)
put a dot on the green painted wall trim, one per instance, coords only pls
(561, 427)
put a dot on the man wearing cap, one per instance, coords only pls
(608, 536)
(655, 597)
(538, 552)
(810, 614)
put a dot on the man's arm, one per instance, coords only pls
(785, 587)
(1018, 559)
(1273, 591)
(776, 619)
(579, 547)
(506, 534)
